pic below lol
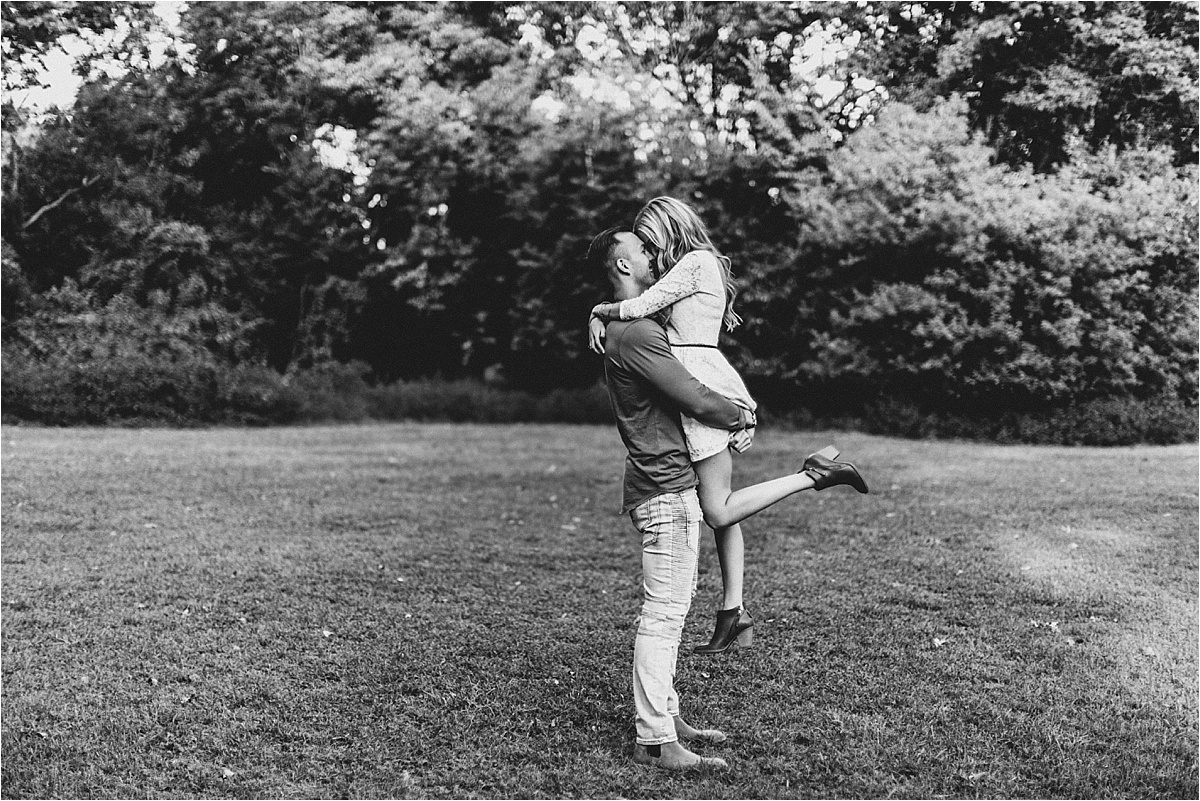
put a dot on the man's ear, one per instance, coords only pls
(622, 266)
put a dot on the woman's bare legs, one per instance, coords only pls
(723, 507)
(723, 510)
(731, 553)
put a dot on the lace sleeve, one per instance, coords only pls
(682, 280)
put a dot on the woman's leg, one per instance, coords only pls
(724, 508)
(733, 623)
(731, 553)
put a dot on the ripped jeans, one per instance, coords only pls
(670, 529)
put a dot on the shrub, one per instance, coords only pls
(252, 394)
(331, 391)
(141, 390)
(465, 400)
(1162, 420)
(590, 405)
(101, 391)
(926, 272)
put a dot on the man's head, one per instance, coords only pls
(620, 255)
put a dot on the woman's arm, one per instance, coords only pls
(607, 311)
(601, 314)
(682, 280)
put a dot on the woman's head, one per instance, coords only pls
(674, 229)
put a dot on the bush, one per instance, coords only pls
(1107, 422)
(57, 391)
(590, 405)
(922, 270)
(252, 394)
(331, 391)
(76, 359)
(194, 390)
(465, 400)
(102, 391)
(452, 401)
(130, 390)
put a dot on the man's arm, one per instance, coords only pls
(647, 354)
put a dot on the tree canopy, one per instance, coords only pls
(950, 202)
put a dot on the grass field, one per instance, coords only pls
(447, 611)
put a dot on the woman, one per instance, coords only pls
(696, 289)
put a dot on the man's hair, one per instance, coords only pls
(600, 252)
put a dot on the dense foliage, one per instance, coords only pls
(985, 208)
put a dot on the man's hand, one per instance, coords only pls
(596, 335)
(742, 440)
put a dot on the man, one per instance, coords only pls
(648, 388)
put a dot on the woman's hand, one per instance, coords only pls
(607, 311)
(601, 313)
(596, 335)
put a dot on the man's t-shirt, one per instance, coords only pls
(648, 388)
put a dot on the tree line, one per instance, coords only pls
(955, 206)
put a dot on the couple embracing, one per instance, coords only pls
(682, 410)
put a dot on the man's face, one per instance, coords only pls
(636, 256)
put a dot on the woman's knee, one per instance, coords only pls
(716, 515)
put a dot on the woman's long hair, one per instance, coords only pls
(673, 229)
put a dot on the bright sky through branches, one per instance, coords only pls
(60, 83)
(816, 67)
(815, 59)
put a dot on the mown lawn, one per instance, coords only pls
(447, 611)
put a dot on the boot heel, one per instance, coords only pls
(829, 452)
(745, 639)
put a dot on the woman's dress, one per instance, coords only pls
(696, 292)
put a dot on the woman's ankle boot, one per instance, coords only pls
(733, 626)
(828, 473)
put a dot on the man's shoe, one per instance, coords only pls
(674, 757)
(687, 731)
(828, 473)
